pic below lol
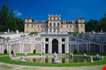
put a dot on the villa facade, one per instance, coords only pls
(51, 36)
(55, 24)
(54, 32)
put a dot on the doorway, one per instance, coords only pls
(54, 46)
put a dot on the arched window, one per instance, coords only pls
(5, 51)
(54, 24)
(57, 24)
(34, 51)
(70, 26)
(50, 24)
(54, 30)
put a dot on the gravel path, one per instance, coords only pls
(4, 66)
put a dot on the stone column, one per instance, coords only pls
(59, 46)
(22, 48)
(43, 48)
(50, 45)
(66, 46)
(19, 47)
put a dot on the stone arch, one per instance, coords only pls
(12, 52)
(34, 51)
(5, 51)
(55, 46)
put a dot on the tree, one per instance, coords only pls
(102, 24)
(91, 25)
(4, 15)
(8, 20)
(20, 24)
(12, 21)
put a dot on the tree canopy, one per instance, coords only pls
(8, 20)
(96, 25)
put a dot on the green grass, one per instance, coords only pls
(28, 54)
(6, 59)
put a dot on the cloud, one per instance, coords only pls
(17, 13)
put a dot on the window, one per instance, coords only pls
(58, 24)
(50, 25)
(46, 39)
(54, 30)
(32, 25)
(70, 26)
(63, 40)
(38, 25)
(56, 18)
(63, 48)
(54, 24)
(46, 48)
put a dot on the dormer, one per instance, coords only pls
(54, 18)
(28, 20)
(80, 21)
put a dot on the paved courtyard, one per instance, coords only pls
(18, 67)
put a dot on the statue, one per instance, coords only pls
(55, 55)
(98, 57)
(17, 31)
(8, 30)
(85, 54)
(13, 53)
(56, 58)
(91, 57)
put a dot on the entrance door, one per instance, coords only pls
(63, 48)
(46, 48)
(54, 46)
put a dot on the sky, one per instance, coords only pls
(67, 9)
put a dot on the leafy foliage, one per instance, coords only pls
(91, 25)
(96, 25)
(8, 20)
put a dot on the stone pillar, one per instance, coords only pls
(66, 46)
(22, 48)
(19, 47)
(59, 46)
(44, 48)
(50, 46)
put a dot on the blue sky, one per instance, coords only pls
(68, 9)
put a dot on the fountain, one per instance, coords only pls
(17, 31)
(102, 57)
(91, 57)
(85, 54)
(56, 58)
(98, 57)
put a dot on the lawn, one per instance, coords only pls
(6, 59)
